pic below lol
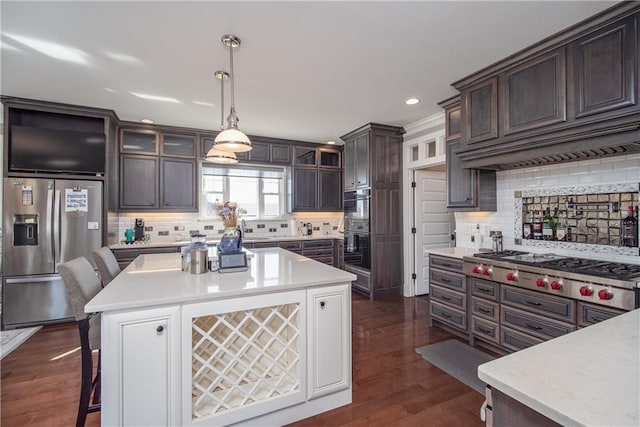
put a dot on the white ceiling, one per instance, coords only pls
(305, 70)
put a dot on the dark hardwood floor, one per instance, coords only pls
(392, 384)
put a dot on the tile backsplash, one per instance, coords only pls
(172, 227)
(579, 176)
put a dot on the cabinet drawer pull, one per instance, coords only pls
(535, 328)
(448, 316)
(444, 264)
(322, 304)
(445, 280)
(445, 298)
(159, 329)
(537, 304)
(484, 310)
(481, 329)
(598, 319)
(484, 290)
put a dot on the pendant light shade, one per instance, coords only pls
(232, 138)
(214, 155)
(218, 156)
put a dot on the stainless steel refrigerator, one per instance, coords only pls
(46, 222)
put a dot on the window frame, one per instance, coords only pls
(283, 193)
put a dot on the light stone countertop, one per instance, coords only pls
(158, 279)
(456, 252)
(249, 239)
(590, 377)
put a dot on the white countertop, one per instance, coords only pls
(590, 377)
(153, 280)
(248, 239)
(453, 252)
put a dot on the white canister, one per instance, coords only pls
(293, 227)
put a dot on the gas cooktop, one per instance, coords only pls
(605, 269)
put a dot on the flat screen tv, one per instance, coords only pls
(58, 151)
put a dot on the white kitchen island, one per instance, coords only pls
(590, 377)
(263, 347)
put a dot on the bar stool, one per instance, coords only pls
(107, 264)
(82, 285)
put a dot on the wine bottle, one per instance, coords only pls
(629, 229)
(547, 225)
(561, 228)
(536, 226)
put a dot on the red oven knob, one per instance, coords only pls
(512, 277)
(476, 269)
(556, 285)
(586, 291)
(486, 271)
(605, 295)
(541, 283)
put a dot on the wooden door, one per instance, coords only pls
(350, 165)
(305, 189)
(479, 111)
(330, 190)
(362, 161)
(461, 183)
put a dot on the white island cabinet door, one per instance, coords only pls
(329, 324)
(147, 368)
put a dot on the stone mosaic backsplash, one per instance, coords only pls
(592, 214)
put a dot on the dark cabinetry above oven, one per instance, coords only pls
(572, 96)
(372, 159)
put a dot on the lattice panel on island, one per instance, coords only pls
(244, 357)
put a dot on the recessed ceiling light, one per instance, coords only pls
(412, 101)
(155, 97)
(148, 121)
(331, 142)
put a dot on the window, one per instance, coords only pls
(260, 190)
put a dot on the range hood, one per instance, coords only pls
(566, 146)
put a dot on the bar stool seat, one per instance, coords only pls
(82, 285)
(107, 264)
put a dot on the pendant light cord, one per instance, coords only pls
(222, 102)
(232, 76)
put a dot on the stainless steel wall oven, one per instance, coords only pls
(357, 252)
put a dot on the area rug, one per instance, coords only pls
(12, 338)
(458, 360)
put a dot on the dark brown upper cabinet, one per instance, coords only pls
(178, 145)
(534, 93)
(453, 124)
(139, 141)
(604, 70)
(479, 113)
(572, 96)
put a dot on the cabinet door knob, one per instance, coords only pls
(322, 304)
(159, 329)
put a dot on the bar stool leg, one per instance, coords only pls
(87, 372)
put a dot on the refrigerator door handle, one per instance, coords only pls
(56, 228)
(49, 239)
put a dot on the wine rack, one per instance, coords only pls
(243, 357)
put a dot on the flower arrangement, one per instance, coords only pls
(229, 212)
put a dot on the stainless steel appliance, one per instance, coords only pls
(598, 282)
(357, 251)
(46, 222)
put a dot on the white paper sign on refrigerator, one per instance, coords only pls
(76, 200)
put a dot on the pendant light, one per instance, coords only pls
(232, 139)
(214, 155)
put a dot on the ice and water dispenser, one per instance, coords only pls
(25, 230)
